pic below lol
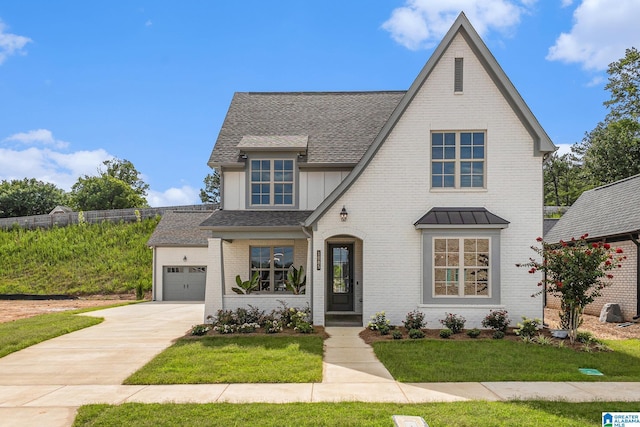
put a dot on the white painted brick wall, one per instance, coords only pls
(394, 192)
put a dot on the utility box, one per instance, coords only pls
(409, 421)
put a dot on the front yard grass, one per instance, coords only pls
(497, 360)
(23, 333)
(459, 414)
(236, 359)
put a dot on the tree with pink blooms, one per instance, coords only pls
(576, 272)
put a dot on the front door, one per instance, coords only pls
(340, 280)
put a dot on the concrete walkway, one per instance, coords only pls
(44, 385)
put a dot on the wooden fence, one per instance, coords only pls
(92, 217)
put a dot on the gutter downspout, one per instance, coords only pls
(309, 266)
(637, 243)
(153, 275)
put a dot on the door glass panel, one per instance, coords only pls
(341, 270)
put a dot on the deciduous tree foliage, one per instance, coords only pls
(211, 191)
(29, 197)
(563, 180)
(104, 192)
(611, 151)
(119, 186)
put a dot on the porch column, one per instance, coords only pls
(213, 299)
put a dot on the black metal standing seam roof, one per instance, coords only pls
(180, 228)
(222, 219)
(340, 125)
(610, 210)
(460, 216)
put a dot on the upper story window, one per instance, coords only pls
(271, 182)
(458, 160)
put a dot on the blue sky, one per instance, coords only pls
(150, 81)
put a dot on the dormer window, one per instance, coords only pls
(271, 182)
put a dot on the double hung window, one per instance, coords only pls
(272, 182)
(458, 160)
(271, 263)
(461, 267)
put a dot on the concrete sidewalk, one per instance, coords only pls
(45, 384)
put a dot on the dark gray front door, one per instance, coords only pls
(340, 277)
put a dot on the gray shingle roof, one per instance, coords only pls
(221, 220)
(340, 125)
(180, 229)
(460, 216)
(610, 210)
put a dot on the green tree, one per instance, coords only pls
(124, 170)
(104, 192)
(563, 180)
(29, 197)
(611, 151)
(211, 191)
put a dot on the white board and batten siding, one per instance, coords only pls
(315, 186)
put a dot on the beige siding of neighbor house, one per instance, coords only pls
(393, 192)
(623, 289)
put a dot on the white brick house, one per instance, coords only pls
(417, 200)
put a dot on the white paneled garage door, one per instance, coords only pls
(184, 283)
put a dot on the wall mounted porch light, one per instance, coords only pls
(343, 214)
(185, 258)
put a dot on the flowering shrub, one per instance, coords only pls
(199, 330)
(576, 272)
(528, 327)
(379, 322)
(497, 320)
(414, 320)
(247, 328)
(453, 322)
(225, 329)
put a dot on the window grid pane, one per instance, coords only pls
(461, 267)
(465, 152)
(264, 183)
(272, 264)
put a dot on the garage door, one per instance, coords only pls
(183, 283)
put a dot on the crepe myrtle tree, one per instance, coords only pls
(576, 272)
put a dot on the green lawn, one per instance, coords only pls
(236, 359)
(23, 333)
(499, 360)
(459, 414)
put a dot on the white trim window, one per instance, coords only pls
(461, 267)
(272, 182)
(458, 159)
(272, 264)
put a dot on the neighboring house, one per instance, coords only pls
(423, 199)
(61, 210)
(609, 213)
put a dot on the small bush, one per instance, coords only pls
(273, 326)
(304, 328)
(414, 320)
(397, 335)
(542, 340)
(199, 330)
(416, 333)
(453, 322)
(498, 335)
(445, 333)
(384, 329)
(473, 333)
(528, 327)
(247, 328)
(497, 320)
(379, 320)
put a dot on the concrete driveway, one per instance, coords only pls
(105, 354)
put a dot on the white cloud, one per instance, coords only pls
(148, 23)
(600, 34)
(38, 136)
(61, 169)
(422, 23)
(185, 195)
(566, 3)
(563, 149)
(10, 44)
